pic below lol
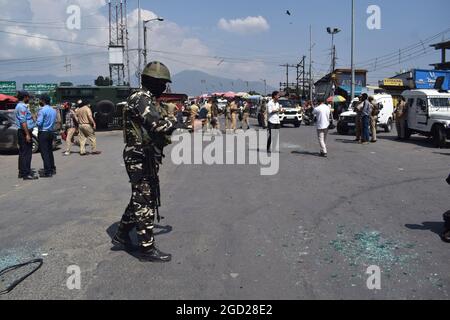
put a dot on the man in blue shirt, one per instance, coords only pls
(46, 124)
(25, 125)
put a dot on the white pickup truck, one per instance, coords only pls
(347, 120)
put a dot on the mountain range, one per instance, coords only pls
(190, 82)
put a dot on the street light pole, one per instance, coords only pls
(333, 31)
(353, 51)
(145, 37)
(145, 44)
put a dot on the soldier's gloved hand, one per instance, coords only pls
(165, 127)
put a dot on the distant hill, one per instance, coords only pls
(192, 83)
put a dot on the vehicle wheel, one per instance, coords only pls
(105, 110)
(388, 128)
(439, 136)
(343, 131)
(297, 124)
(35, 144)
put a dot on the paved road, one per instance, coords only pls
(309, 232)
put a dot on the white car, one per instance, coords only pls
(347, 120)
(291, 115)
(428, 115)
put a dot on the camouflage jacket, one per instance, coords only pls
(146, 123)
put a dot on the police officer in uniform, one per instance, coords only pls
(25, 124)
(147, 130)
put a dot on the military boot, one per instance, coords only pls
(153, 254)
(446, 233)
(122, 237)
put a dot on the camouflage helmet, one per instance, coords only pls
(157, 70)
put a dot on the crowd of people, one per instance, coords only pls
(78, 120)
(206, 114)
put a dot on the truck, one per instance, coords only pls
(106, 101)
(428, 114)
(347, 120)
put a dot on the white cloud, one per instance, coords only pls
(249, 25)
(169, 42)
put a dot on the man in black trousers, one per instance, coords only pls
(46, 121)
(25, 125)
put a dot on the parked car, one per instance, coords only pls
(429, 115)
(8, 133)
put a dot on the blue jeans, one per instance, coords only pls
(366, 126)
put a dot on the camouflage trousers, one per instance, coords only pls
(141, 210)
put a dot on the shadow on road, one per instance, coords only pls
(307, 153)
(347, 141)
(442, 154)
(418, 141)
(435, 227)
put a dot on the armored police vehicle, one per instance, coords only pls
(106, 101)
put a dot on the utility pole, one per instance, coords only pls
(303, 73)
(310, 65)
(116, 44)
(287, 66)
(353, 51)
(68, 65)
(127, 38)
(139, 71)
(265, 86)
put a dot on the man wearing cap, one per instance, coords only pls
(87, 127)
(25, 123)
(71, 126)
(46, 122)
(147, 131)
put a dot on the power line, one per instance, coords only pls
(394, 55)
(46, 58)
(50, 39)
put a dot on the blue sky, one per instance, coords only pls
(191, 37)
(403, 23)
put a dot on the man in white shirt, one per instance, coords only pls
(322, 114)
(273, 109)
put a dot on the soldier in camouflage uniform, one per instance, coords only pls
(147, 130)
(446, 234)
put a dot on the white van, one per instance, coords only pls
(428, 114)
(347, 120)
